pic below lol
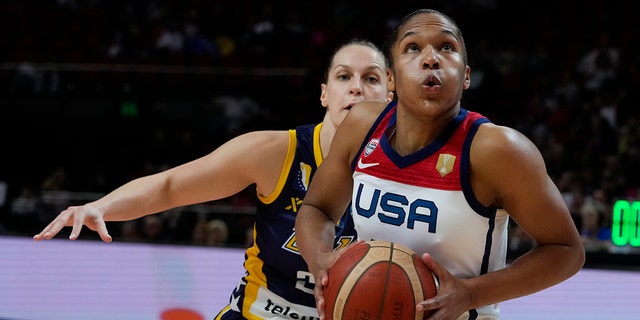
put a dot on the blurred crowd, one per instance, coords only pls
(564, 73)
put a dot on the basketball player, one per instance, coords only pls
(277, 283)
(440, 179)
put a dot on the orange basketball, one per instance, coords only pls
(377, 280)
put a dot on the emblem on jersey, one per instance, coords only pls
(291, 245)
(295, 204)
(371, 146)
(304, 176)
(445, 163)
(362, 165)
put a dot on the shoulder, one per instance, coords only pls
(261, 155)
(503, 160)
(363, 114)
(493, 140)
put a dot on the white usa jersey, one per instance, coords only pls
(424, 201)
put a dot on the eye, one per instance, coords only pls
(447, 47)
(372, 79)
(343, 77)
(413, 48)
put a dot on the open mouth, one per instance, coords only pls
(431, 81)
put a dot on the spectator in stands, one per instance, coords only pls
(217, 233)
(600, 64)
(25, 212)
(595, 236)
(199, 231)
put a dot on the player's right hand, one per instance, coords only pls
(76, 217)
(324, 261)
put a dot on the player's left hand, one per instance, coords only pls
(453, 297)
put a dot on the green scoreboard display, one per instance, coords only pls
(625, 227)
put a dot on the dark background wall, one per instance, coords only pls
(91, 96)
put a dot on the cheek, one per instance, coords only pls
(402, 77)
(376, 93)
(332, 100)
(406, 81)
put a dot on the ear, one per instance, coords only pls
(389, 96)
(323, 95)
(391, 84)
(467, 77)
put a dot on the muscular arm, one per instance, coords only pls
(330, 191)
(509, 172)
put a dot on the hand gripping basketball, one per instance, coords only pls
(377, 280)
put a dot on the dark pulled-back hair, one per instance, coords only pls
(393, 37)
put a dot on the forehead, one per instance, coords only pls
(431, 22)
(356, 56)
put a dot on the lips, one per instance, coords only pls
(431, 81)
(350, 105)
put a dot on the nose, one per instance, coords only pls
(430, 58)
(356, 87)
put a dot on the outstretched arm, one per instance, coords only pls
(224, 172)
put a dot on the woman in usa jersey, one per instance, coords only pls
(425, 172)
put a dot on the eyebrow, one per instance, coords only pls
(446, 31)
(375, 66)
(406, 35)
